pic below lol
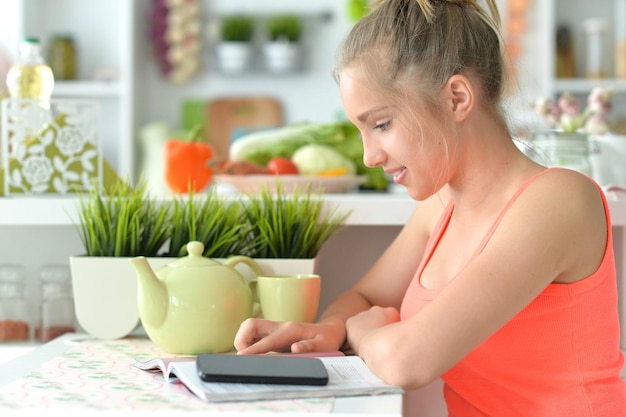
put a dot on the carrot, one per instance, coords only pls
(337, 172)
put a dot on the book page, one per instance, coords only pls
(348, 376)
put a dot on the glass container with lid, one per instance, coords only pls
(62, 57)
(15, 314)
(30, 77)
(57, 305)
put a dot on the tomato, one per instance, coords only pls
(281, 166)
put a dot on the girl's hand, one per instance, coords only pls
(363, 323)
(262, 336)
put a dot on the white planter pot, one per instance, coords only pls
(281, 57)
(105, 290)
(105, 294)
(234, 57)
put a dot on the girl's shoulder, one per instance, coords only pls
(564, 195)
(564, 185)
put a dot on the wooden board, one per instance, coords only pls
(230, 118)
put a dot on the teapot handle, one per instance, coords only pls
(256, 268)
(234, 260)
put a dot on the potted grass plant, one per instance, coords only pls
(285, 231)
(281, 50)
(114, 226)
(234, 50)
(292, 226)
(216, 222)
(122, 222)
(282, 232)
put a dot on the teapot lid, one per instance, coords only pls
(195, 258)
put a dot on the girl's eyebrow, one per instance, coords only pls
(364, 116)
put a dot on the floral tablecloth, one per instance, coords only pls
(98, 375)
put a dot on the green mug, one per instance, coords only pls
(287, 297)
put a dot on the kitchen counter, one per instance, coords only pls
(77, 374)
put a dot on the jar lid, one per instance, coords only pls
(55, 273)
(12, 273)
(63, 37)
(11, 291)
(595, 25)
(31, 39)
(55, 290)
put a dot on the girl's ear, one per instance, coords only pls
(459, 96)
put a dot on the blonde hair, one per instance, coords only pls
(421, 43)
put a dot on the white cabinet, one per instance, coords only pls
(537, 66)
(102, 32)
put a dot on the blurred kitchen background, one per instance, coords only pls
(116, 62)
(119, 63)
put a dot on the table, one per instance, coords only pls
(76, 374)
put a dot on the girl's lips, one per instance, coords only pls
(398, 176)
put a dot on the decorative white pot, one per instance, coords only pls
(234, 57)
(105, 294)
(281, 57)
(105, 290)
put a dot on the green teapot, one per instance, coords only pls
(195, 304)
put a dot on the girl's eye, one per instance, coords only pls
(382, 126)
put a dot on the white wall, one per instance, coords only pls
(309, 95)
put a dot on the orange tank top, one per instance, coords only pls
(558, 357)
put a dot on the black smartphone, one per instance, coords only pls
(261, 369)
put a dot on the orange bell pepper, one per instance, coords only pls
(187, 163)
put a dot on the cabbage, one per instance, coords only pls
(314, 159)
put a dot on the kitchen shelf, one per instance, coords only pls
(365, 209)
(323, 16)
(87, 89)
(583, 85)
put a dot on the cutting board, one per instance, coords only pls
(230, 118)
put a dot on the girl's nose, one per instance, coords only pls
(372, 155)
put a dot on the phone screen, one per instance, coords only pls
(262, 369)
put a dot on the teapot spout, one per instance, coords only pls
(152, 297)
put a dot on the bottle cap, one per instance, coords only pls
(55, 273)
(595, 25)
(12, 273)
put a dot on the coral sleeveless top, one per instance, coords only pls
(558, 357)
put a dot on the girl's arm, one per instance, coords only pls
(555, 232)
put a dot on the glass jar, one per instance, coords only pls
(620, 39)
(595, 42)
(62, 57)
(30, 77)
(57, 305)
(15, 317)
(566, 150)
